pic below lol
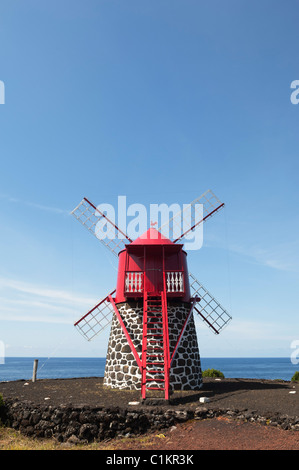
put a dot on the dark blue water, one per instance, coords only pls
(16, 368)
(252, 367)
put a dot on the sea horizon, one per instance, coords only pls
(254, 367)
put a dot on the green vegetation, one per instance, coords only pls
(11, 439)
(212, 373)
(295, 377)
(1, 400)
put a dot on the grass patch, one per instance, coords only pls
(213, 373)
(295, 377)
(10, 439)
(14, 440)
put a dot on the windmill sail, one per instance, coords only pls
(96, 320)
(208, 308)
(100, 226)
(193, 214)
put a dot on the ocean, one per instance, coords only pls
(21, 368)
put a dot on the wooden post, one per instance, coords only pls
(34, 370)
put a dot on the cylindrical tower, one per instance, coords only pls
(153, 299)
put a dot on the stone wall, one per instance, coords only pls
(86, 424)
(121, 368)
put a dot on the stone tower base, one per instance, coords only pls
(121, 369)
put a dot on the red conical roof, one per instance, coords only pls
(152, 237)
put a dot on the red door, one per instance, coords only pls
(153, 275)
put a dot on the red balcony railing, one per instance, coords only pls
(174, 281)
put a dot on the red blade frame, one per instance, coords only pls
(208, 308)
(89, 216)
(96, 320)
(202, 220)
(211, 204)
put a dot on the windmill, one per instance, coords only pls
(153, 342)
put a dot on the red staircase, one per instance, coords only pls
(155, 345)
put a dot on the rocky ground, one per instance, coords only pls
(262, 396)
(226, 414)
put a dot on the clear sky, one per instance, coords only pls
(158, 100)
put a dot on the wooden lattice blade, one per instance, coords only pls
(96, 320)
(100, 226)
(208, 308)
(193, 214)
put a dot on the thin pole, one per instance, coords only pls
(35, 364)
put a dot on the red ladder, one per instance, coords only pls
(155, 345)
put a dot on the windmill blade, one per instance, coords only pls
(209, 309)
(193, 214)
(95, 221)
(96, 320)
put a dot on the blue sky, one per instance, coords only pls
(159, 101)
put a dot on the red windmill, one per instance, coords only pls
(153, 342)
